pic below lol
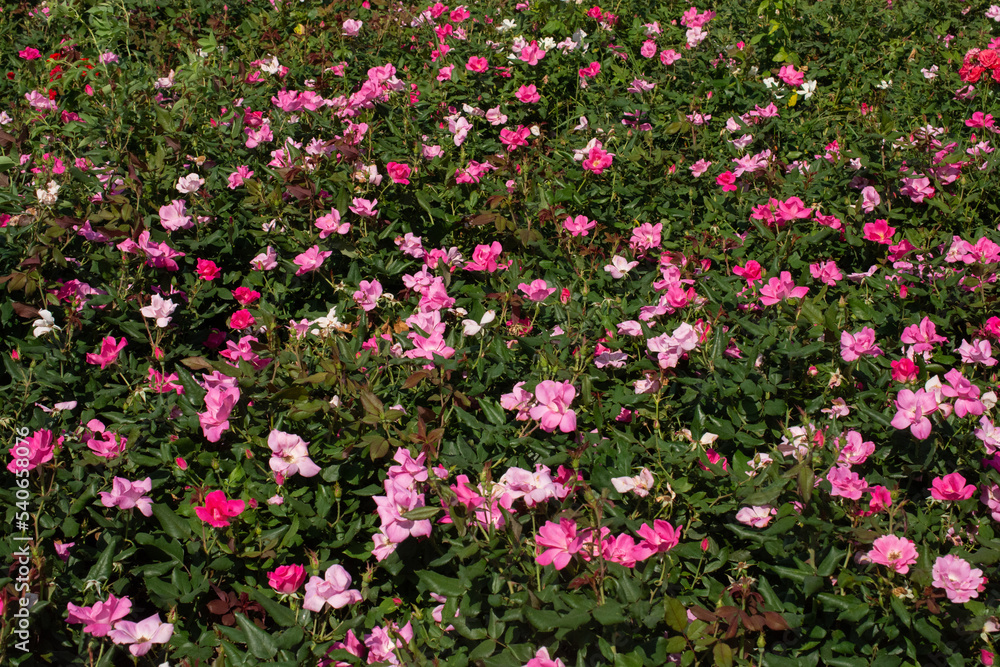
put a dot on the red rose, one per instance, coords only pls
(241, 319)
(989, 58)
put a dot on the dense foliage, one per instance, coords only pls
(500, 334)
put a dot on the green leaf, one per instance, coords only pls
(881, 419)
(440, 584)
(770, 598)
(855, 613)
(281, 614)
(173, 525)
(863, 311)
(768, 495)
(830, 562)
(675, 614)
(545, 620)
(259, 642)
(422, 513)
(901, 610)
(628, 660)
(493, 412)
(609, 613)
(484, 650)
(805, 350)
(836, 661)
(775, 407)
(676, 644)
(723, 655)
(836, 602)
(461, 625)
(101, 570)
(290, 639)
(797, 576)
(286, 541)
(158, 587)
(773, 660)
(928, 631)
(811, 584)
(193, 392)
(371, 403)
(172, 548)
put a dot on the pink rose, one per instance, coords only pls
(287, 578)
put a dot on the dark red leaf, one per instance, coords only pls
(702, 614)
(482, 219)
(25, 310)
(755, 622)
(299, 192)
(415, 379)
(66, 222)
(775, 621)
(727, 613)
(218, 607)
(197, 363)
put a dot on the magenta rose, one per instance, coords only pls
(287, 578)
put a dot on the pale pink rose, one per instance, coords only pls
(897, 553)
(351, 27)
(189, 183)
(364, 207)
(265, 261)
(142, 635)
(553, 410)
(172, 216)
(620, 266)
(538, 290)
(331, 224)
(100, 618)
(311, 260)
(289, 455)
(956, 576)
(846, 483)
(700, 167)
(756, 516)
(126, 494)
(331, 590)
(912, 410)
(560, 542)
(870, 199)
(780, 289)
(579, 225)
(367, 294)
(853, 346)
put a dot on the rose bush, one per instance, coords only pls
(480, 335)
